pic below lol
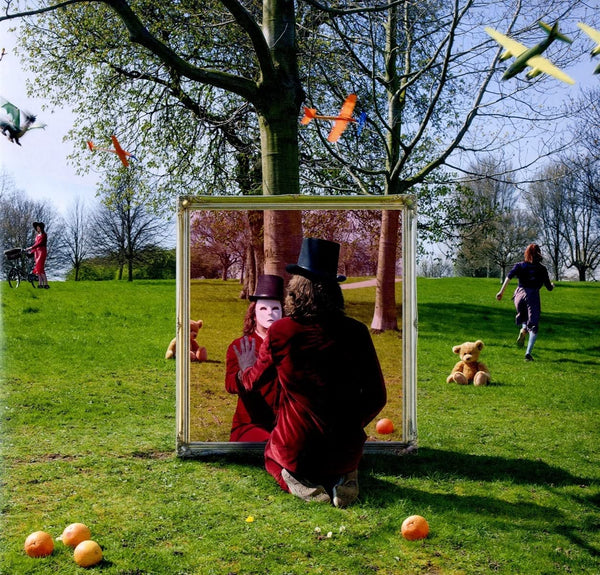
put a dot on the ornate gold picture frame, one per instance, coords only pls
(203, 408)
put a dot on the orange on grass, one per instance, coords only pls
(75, 534)
(384, 426)
(87, 553)
(39, 544)
(415, 527)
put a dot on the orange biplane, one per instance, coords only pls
(341, 121)
(123, 155)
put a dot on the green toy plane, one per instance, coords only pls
(595, 36)
(15, 123)
(531, 56)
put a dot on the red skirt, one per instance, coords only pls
(40, 259)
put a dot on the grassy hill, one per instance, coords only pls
(507, 475)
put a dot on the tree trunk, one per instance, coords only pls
(282, 228)
(283, 239)
(255, 259)
(281, 96)
(385, 316)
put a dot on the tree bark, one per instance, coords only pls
(385, 315)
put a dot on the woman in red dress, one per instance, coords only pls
(255, 413)
(330, 380)
(40, 251)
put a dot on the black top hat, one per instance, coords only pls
(318, 261)
(268, 287)
(41, 224)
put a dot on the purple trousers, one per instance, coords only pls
(527, 304)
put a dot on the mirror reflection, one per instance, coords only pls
(232, 295)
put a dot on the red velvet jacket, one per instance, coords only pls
(331, 387)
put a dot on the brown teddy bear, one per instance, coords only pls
(469, 369)
(197, 352)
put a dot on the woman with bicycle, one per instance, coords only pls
(40, 251)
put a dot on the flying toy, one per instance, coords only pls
(531, 56)
(341, 121)
(15, 123)
(595, 36)
(123, 155)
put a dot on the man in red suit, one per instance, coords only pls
(331, 385)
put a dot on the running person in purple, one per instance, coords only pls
(532, 275)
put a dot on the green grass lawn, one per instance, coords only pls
(507, 475)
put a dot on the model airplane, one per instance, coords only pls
(341, 121)
(531, 56)
(123, 155)
(15, 123)
(595, 36)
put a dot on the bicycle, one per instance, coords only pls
(20, 268)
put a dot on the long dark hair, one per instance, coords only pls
(250, 319)
(533, 254)
(309, 300)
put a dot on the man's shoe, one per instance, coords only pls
(528, 357)
(345, 491)
(521, 338)
(304, 489)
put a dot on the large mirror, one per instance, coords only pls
(216, 238)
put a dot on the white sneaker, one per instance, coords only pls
(304, 489)
(345, 491)
(521, 338)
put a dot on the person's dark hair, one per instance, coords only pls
(533, 254)
(250, 319)
(308, 300)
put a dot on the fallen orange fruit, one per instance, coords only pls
(39, 544)
(415, 527)
(75, 534)
(87, 553)
(384, 426)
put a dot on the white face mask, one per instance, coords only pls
(267, 311)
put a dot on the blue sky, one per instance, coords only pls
(39, 166)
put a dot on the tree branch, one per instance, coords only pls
(139, 34)
(346, 11)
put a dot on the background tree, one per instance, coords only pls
(123, 228)
(220, 240)
(546, 200)
(77, 236)
(581, 216)
(17, 214)
(497, 231)
(586, 125)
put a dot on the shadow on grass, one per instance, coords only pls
(441, 465)
(499, 514)
(444, 318)
(432, 464)
(436, 463)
